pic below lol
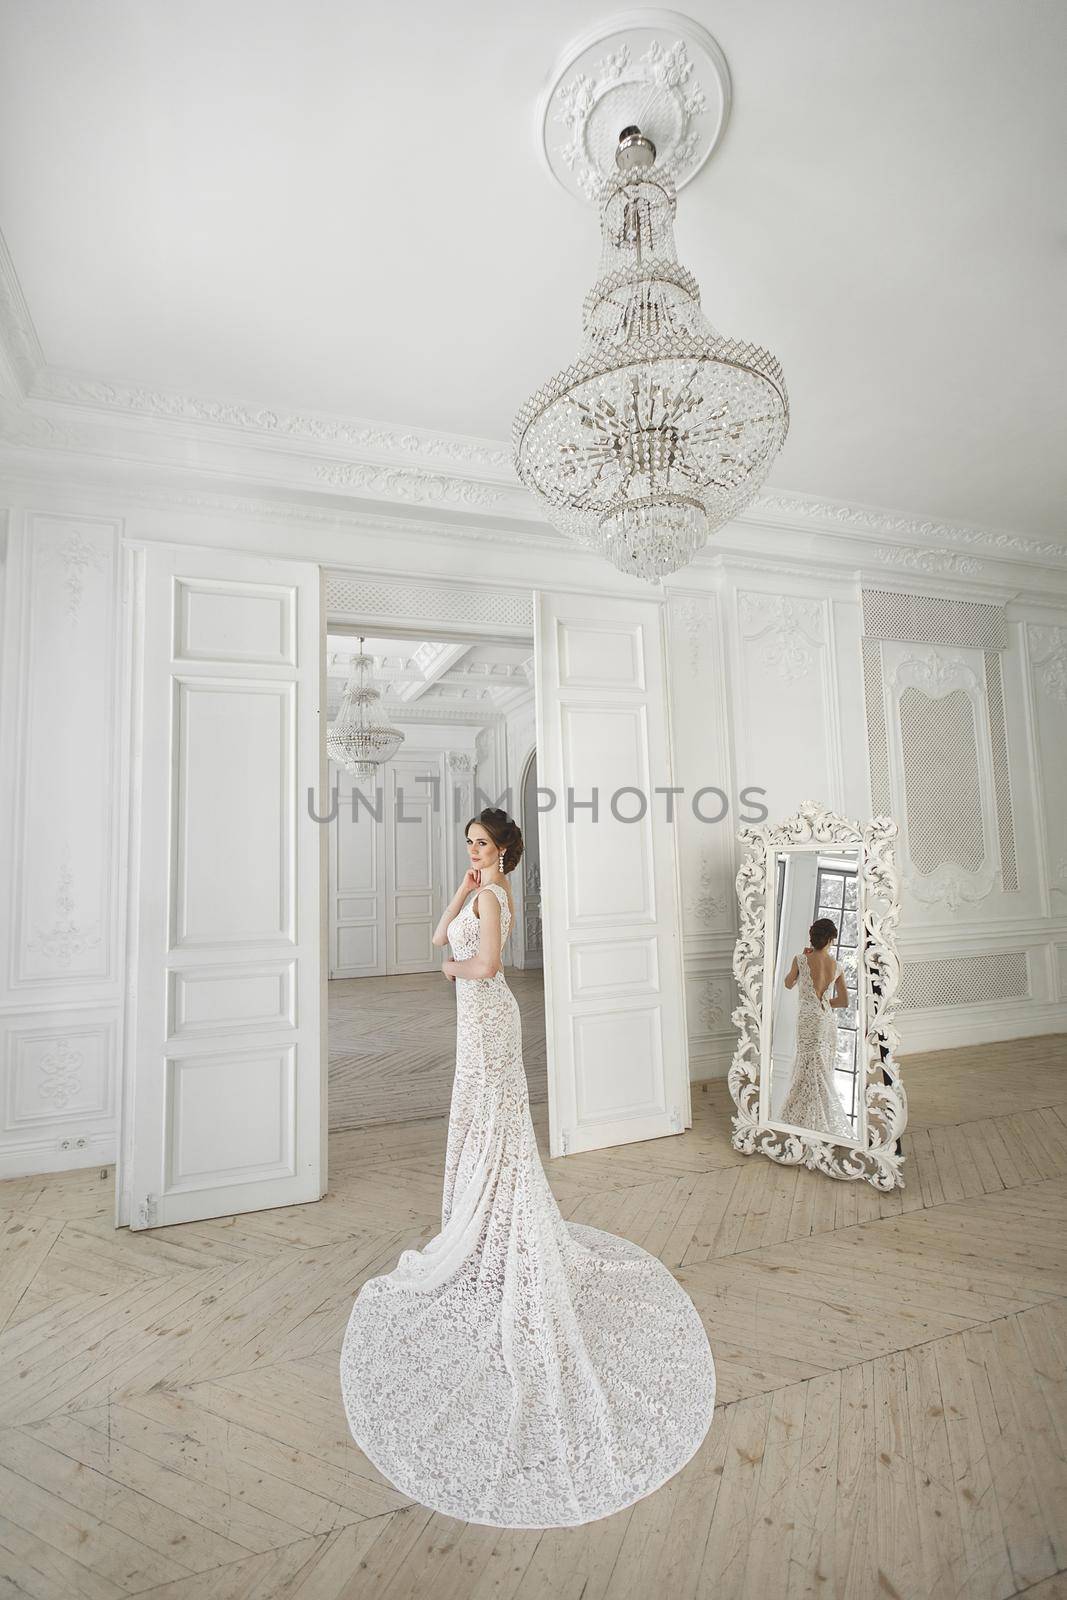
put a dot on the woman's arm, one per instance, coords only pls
(839, 999)
(440, 933)
(792, 975)
(486, 964)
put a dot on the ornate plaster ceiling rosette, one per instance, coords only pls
(658, 70)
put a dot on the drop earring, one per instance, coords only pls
(501, 860)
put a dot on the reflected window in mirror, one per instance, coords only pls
(836, 897)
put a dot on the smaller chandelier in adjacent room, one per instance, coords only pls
(356, 741)
(662, 429)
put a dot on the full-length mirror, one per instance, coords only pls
(814, 1076)
(814, 1006)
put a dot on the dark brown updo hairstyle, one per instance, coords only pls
(822, 931)
(505, 834)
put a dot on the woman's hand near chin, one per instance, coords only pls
(472, 880)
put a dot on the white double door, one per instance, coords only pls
(387, 849)
(225, 1058)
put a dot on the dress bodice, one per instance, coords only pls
(809, 989)
(463, 930)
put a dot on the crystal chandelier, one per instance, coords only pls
(662, 429)
(356, 743)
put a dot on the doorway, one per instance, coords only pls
(225, 1044)
(465, 710)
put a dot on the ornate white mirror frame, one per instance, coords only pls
(876, 1156)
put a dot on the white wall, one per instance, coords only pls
(62, 863)
(768, 646)
(947, 711)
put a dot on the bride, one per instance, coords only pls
(812, 1101)
(517, 1370)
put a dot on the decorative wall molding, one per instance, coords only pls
(69, 389)
(174, 412)
(694, 615)
(61, 1070)
(111, 424)
(78, 557)
(67, 937)
(59, 1073)
(914, 530)
(63, 911)
(708, 902)
(716, 1000)
(408, 484)
(944, 791)
(932, 560)
(1048, 656)
(789, 630)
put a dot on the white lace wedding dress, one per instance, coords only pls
(813, 1101)
(518, 1370)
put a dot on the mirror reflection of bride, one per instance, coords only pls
(812, 1101)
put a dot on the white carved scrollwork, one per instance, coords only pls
(1048, 653)
(788, 630)
(886, 1105)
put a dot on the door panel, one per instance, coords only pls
(357, 879)
(227, 1067)
(614, 993)
(409, 916)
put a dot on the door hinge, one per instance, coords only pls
(146, 1212)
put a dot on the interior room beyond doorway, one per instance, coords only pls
(466, 709)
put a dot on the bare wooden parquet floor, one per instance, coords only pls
(392, 1044)
(892, 1416)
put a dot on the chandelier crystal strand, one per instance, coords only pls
(662, 429)
(357, 743)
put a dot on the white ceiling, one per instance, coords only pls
(341, 207)
(435, 680)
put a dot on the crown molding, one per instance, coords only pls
(72, 423)
(905, 530)
(57, 386)
(833, 553)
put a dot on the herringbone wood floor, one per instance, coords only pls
(891, 1420)
(393, 1045)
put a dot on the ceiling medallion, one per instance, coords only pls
(657, 70)
(662, 429)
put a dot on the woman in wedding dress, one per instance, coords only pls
(813, 1101)
(518, 1370)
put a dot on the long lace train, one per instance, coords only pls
(519, 1370)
